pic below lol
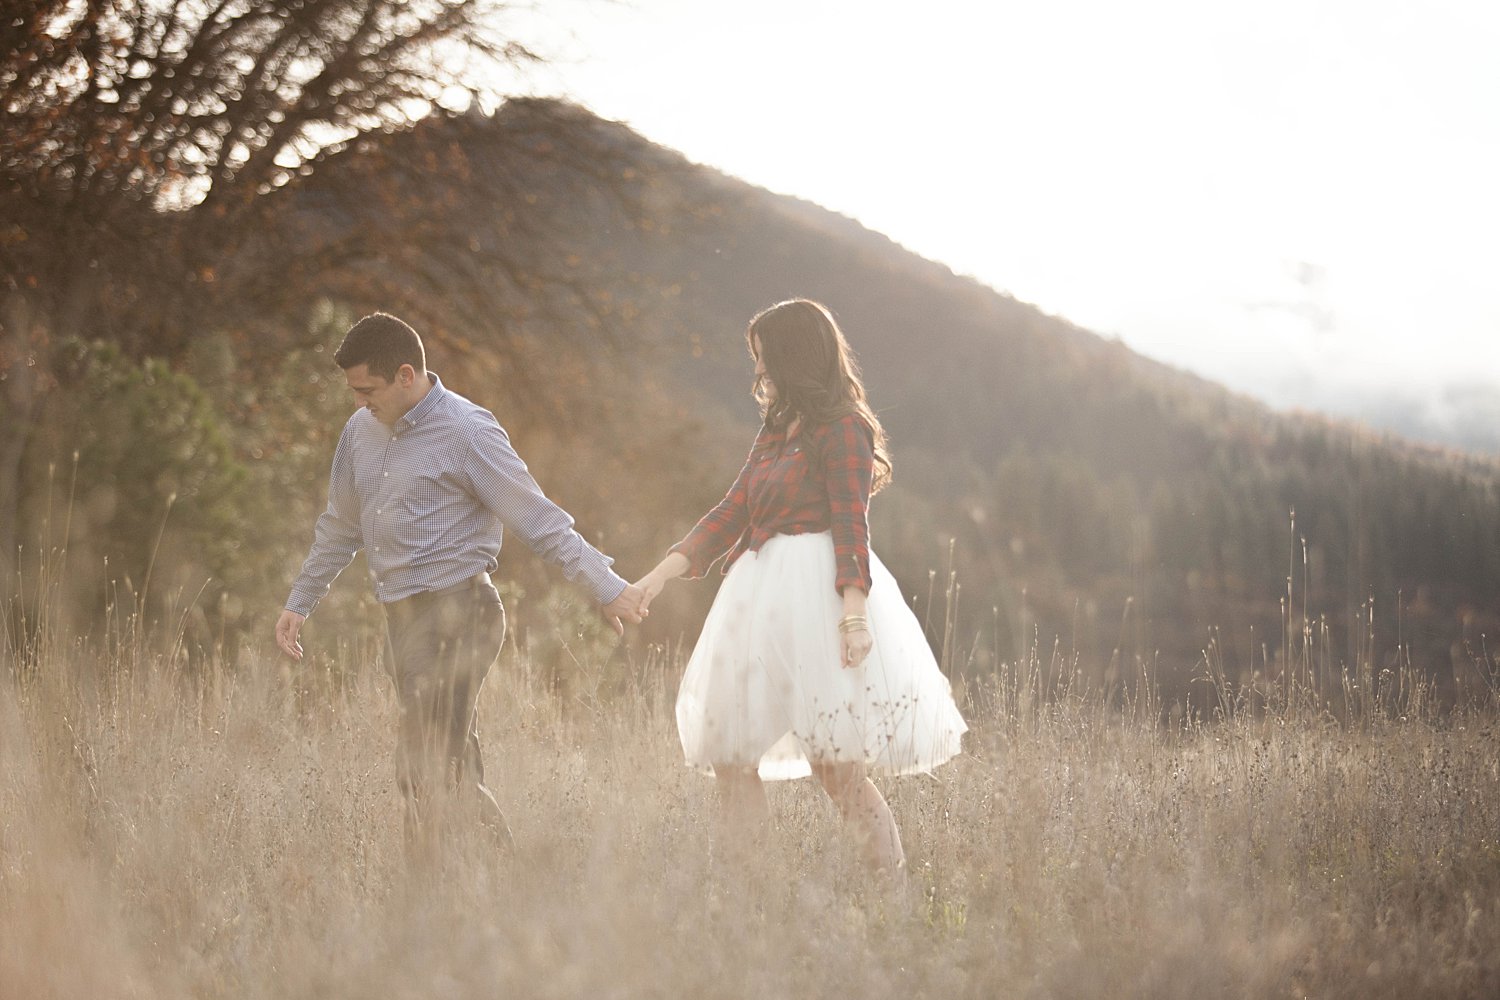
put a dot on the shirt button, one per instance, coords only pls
(393, 437)
(384, 475)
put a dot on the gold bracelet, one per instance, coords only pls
(854, 623)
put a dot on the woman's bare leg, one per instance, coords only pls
(742, 796)
(864, 809)
(743, 810)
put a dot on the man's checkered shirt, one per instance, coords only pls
(429, 499)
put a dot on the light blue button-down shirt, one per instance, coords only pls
(429, 499)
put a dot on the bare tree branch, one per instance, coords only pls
(140, 134)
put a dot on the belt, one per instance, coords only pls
(405, 604)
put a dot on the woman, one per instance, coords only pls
(809, 660)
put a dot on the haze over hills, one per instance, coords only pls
(1091, 496)
(1463, 415)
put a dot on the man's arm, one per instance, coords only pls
(505, 486)
(336, 539)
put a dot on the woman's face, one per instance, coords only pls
(768, 388)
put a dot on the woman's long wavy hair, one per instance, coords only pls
(814, 371)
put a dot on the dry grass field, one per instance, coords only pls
(237, 834)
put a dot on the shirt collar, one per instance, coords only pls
(416, 414)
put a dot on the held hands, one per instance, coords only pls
(645, 589)
(634, 603)
(651, 584)
(287, 628)
(631, 606)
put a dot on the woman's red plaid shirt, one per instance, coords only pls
(818, 479)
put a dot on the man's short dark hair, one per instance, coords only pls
(382, 343)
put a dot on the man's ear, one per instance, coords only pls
(407, 374)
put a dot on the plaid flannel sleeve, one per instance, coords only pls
(718, 530)
(848, 469)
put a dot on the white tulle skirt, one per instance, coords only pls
(764, 686)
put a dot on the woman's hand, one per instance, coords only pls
(651, 585)
(654, 582)
(856, 643)
(854, 629)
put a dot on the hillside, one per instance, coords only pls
(1102, 514)
(1076, 477)
(1094, 499)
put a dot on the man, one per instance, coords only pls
(426, 482)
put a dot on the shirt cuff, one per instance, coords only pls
(852, 572)
(695, 570)
(606, 585)
(303, 602)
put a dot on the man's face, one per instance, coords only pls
(385, 400)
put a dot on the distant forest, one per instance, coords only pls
(1058, 500)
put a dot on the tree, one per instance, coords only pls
(482, 230)
(143, 137)
(133, 120)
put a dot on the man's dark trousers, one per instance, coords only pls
(441, 645)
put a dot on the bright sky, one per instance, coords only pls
(1285, 193)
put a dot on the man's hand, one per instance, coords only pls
(631, 606)
(287, 627)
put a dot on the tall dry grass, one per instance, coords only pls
(176, 832)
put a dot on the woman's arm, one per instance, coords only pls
(718, 530)
(848, 466)
(713, 535)
(670, 568)
(848, 470)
